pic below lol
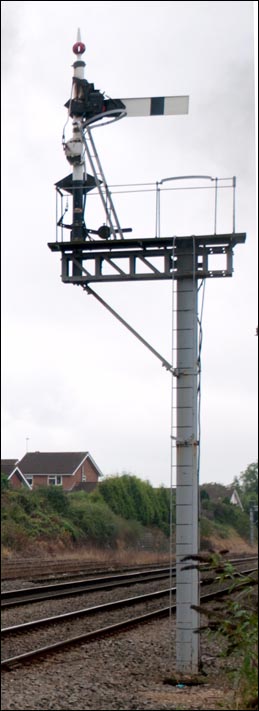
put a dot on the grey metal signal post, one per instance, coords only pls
(187, 484)
(187, 260)
(112, 257)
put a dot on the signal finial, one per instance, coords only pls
(79, 47)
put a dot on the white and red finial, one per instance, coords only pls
(78, 47)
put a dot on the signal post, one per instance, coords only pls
(187, 260)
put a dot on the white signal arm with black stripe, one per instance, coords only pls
(156, 105)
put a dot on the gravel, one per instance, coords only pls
(127, 671)
(123, 672)
(24, 613)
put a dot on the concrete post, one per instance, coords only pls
(187, 489)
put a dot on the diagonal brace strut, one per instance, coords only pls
(165, 362)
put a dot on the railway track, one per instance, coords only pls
(30, 569)
(100, 632)
(11, 598)
(35, 624)
(23, 596)
(104, 607)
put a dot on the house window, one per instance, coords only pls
(83, 474)
(55, 480)
(29, 479)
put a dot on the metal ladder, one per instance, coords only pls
(104, 192)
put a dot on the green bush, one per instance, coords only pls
(4, 482)
(226, 514)
(121, 508)
(134, 499)
(204, 496)
(206, 527)
(26, 501)
(97, 522)
(13, 535)
(130, 533)
(56, 497)
(235, 621)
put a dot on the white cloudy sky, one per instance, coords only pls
(72, 377)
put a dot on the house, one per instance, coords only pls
(7, 466)
(235, 499)
(71, 470)
(218, 493)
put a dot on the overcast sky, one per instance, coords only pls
(72, 377)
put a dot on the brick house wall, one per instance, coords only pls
(17, 482)
(86, 470)
(39, 480)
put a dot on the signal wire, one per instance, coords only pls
(200, 339)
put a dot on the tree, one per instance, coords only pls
(247, 486)
(249, 479)
(204, 495)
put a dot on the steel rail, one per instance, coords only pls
(135, 600)
(106, 631)
(68, 567)
(23, 596)
(36, 594)
(103, 607)
(49, 569)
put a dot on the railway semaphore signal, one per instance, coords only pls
(88, 106)
(185, 259)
